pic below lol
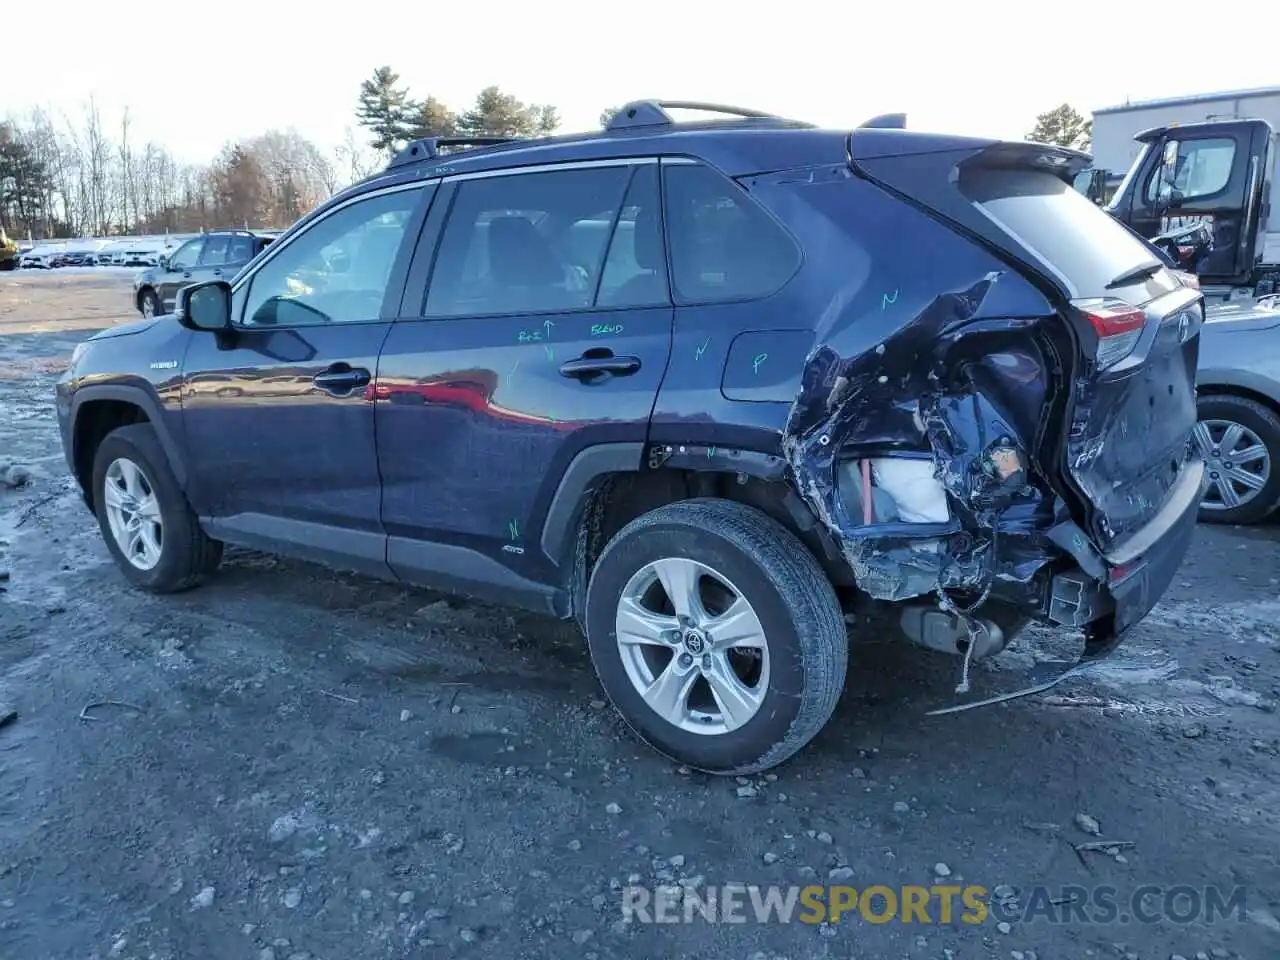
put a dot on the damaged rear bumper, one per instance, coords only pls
(936, 463)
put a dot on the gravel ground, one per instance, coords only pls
(306, 764)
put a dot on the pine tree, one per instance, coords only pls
(1063, 126)
(498, 114)
(431, 118)
(385, 110)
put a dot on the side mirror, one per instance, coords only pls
(1168, 173)
(205, 306)
(162, 262)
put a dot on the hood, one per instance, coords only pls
(127, 329)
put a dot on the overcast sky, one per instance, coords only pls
(196, 75)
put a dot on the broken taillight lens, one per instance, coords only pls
(1118, 325)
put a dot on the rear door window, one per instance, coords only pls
(1068, 234)
(215, 251)
(240, 250)
(526, 243)
(724, 246)
(635, 271)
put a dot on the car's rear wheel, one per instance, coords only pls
(149, 304)
(1240, 442)
(149, 528)
(716, 635)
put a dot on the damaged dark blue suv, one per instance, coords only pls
(716, 390)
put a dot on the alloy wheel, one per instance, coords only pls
(133, 513)
(1237, 463)
(693, 646)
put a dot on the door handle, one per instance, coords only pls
(599, 364)
(341, 379)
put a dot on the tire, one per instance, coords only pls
(149, 299)
(799, 676)
(1257, 426)
(184, 554)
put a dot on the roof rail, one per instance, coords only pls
(428, 148)
(886, 121)
(653, 113)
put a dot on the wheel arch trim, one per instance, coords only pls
(148, 403)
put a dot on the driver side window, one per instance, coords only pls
(1203, 169)
(185, 257)
(335, 271)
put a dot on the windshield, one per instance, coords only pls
(1129, 176)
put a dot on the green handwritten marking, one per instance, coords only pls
(886, 300)
(605, 329)
(530, 336)
(513, 528)
(711, 452)
(551, 354)
(513, 372)
(702, 349)
(548, 324)
(757, 360)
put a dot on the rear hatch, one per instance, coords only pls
(1133, 326)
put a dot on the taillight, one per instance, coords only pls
(1118, 326)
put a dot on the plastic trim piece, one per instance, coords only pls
(141, 399)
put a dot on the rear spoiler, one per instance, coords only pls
(941, 152)
(925, 170)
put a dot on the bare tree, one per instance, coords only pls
(96, 172)
(355, 160)
(128, 179)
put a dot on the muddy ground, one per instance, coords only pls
(325, 766)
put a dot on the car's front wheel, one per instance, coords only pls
(149, 304)
(1240, 442)
(149, 528)
(716, 635)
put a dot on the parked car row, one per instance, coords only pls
(100, 252)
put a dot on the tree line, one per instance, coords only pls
(65, 178)
(68, 178)
(393, 117)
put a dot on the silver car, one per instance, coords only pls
(1238, 385)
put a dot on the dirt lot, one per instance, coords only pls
(312, 764)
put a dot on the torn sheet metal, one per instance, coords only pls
(948, 409)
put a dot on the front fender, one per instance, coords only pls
(143, 398)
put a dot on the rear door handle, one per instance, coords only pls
(598, 364)
(341, 379)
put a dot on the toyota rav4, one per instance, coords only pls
(727, 393)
